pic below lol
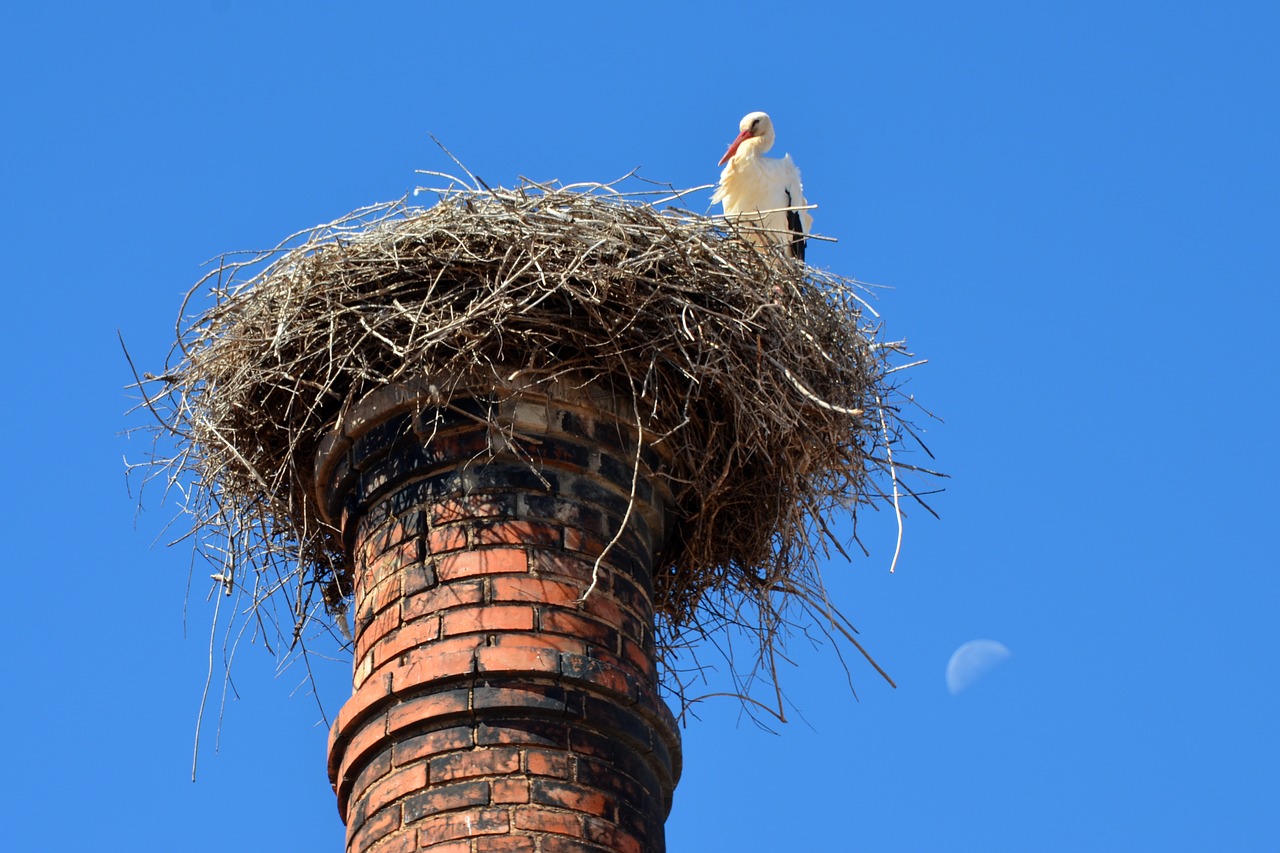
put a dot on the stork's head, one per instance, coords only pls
(755, 136)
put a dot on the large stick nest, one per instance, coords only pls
(765, 380)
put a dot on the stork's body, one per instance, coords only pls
(761, 193)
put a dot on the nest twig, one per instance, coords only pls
(767, 380)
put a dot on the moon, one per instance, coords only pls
(971, 661)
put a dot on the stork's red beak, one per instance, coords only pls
(733, 149)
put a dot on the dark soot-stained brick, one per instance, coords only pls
(377, 440)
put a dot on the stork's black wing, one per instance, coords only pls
(796, 227)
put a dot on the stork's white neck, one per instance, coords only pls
(755, 146)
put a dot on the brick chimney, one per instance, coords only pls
(495, 708)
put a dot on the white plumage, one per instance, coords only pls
(761, 193)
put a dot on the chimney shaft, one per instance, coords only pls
(494, 707)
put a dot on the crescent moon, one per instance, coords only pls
(971, 661)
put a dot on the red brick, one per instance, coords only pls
(424, 664)
(505, 844)
(419, 632)
(375, 828)
(467, 507)
(463, 846)
(423, 708)
(371, 693)
(364, 741)
(559, 564)
(399, 842)
(635, 628)
(629, 594)
(523, 731)
(608, 776)
(576, 539)
(540, 819)
(605, 608)
(528, 588)
(415, 578)
(563, 844)
(632, 626)
(567, 795)
(510, 791)
(487, 618)
(497, 761)
(446, 798)
(394, 560)
(464, 824)
(385, 594)
(397, 784)
(550, 642)
(437, 598)
(612, 838)
(490, 561)
(384, 623)
(452, 537)
(639, 658)
(560, 621)
(388, 563)
(433, 743)
(372, 772)
(403, 840)
(586, 742)
(545, 762)
(389, 535)
(503, 700)
(367, 556)
(602, 671)
(517, 533)
(541, 658)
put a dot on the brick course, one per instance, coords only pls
(496, 708)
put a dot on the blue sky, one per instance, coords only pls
(1075, 207)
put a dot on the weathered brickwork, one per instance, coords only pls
(495, 708)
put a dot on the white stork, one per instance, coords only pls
(762, 193)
